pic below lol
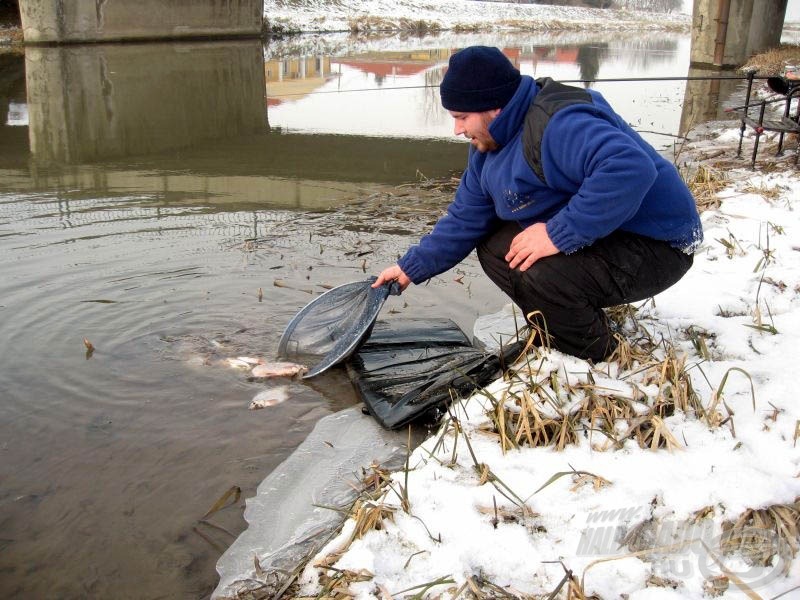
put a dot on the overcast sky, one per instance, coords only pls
(793, 10)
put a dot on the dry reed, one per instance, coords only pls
(761, 535)
(550, 411)
(705, 184)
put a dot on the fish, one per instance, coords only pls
(269, 397)
(244, 362)
(278, 369)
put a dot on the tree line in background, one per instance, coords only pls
(10, 8)
(661, 6)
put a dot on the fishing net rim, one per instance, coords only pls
(292, 325)
(375, 298)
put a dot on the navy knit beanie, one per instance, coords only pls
(478, 78)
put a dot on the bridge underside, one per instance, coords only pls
(65, 21)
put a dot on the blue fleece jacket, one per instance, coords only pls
(601, 176)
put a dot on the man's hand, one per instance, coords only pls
(530, 245)
(394, 273)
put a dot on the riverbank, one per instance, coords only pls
(418, 17)
(10, 37)
(421, 17)
(668, 472)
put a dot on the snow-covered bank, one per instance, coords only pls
(669, 474)
(692, 494)
(344, 43)
(422, 15)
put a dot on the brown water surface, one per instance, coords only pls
(144, 202)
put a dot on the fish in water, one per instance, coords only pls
(244, 362)
(277, 369)
(269, 397)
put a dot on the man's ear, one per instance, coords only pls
(494, 112)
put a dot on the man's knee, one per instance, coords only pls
(550, 281)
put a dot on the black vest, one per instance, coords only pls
(551, 98)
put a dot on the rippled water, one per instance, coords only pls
(147, 193)
(110, 459)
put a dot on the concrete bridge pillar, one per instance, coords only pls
(65, 21)
(766, 25)
(94, 102)
(725, 33)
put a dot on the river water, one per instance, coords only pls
(175, 205)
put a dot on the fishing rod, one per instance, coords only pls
(601, 80)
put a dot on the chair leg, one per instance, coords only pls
(750, 78)
(755, 150)
(741, 137)
(759, 130)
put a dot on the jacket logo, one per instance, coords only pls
(516, 201)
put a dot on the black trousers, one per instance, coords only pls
(571, 290)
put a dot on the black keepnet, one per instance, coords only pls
(403, 369)
(411, 369)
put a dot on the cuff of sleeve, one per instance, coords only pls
(563, 237)
(412, 268)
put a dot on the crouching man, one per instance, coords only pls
(570, 210)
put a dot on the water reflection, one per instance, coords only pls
(708, 91)
(13, 104)
(213, 111)
(295, 77)
(394, 93)
(187, 123)
(98, 103)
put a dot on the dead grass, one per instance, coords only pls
(761, 535)
(549, 410)
(369, 512)
(705, 183)
(367, 24)
(773, 61)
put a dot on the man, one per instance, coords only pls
(570, 210)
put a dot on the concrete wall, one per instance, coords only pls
(60, 21)
(750, 26)
(766, 26)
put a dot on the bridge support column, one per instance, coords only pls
(725, 33)
(76, 21)
(767, 26)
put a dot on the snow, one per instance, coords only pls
(468, 514)
(448, 529)
(750, 462)
(326, 16)
(743, 296)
